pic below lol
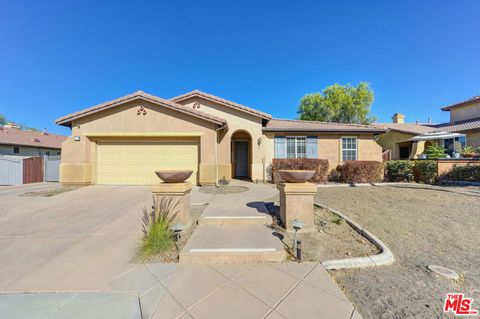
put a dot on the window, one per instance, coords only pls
(16, 150)
(349, 148)
(296, 147)
(58, 153)
(47, 153)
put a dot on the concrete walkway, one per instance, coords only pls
(242, 290)
(234, 228)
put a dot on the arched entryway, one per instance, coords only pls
(241, 154)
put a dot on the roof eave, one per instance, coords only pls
(67, 120)
(324, 131)
(189, 95)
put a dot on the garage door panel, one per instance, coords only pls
(135, 163)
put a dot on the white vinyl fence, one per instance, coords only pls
(11, 170)
(51, 168)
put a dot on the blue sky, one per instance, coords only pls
(60, 57)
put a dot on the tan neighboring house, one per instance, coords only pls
(408, 140)
(17, 142)
(125, 140)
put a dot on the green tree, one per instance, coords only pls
(339, 103)
(3, 121)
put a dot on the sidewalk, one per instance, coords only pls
(246, 290)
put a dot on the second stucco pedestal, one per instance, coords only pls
(180, 192)
(296, 202)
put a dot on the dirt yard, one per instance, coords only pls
(422, 225)
(343, 241)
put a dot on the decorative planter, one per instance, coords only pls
(296, 176)
(173, 176)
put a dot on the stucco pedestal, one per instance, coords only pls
(296, 202)
(181, 194)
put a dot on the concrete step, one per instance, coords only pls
(223, 213)
(232, 243)
(235, 220)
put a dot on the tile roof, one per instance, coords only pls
(220, 100)
(408, 128)
(460, 126)
(284, 125)
(66, 120)
(475, 98)
(15, 136)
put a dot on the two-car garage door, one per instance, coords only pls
(135, 163)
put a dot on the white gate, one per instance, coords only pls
(11, 170)
(52, 168)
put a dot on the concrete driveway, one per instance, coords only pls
(76, 240)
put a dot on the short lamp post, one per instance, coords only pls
(297, 224)
(177, 229)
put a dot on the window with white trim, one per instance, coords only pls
(349, 148)
(296, 147)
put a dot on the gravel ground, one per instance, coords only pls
(422, 225)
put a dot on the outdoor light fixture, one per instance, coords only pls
(297, 224)
(76, 138)
(259, 141)
(177, 229)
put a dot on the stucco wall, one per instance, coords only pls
(27, 151)
(237, 121)
(465, 112)
(473, 138)
(329, 146)
(389, 140)
(78, 160)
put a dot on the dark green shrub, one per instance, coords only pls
(361, 172)
(468, 173)
(399, 171)
(320, 166)
(425, 171)
(434, 151)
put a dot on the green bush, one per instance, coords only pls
(468, 173)
(157, 235)
(434, 151)
(399, 171)
(425, 171)
(361, 171)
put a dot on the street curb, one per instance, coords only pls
(384, 258)
(379, 184)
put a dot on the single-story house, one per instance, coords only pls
(408, 140)
(125, 140)
(17, 142)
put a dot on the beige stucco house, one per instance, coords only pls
(408, 140)
(125, 140)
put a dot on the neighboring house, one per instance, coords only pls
(125, 140)
(406, 140)
(398, 139)
(464, 118)
(17, 142)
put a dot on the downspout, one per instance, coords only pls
(216, 153)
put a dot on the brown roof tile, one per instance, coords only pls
(15, 136)
(475, 98)
(66, 120)
(460, 126)
(223, 101)
(284, 125)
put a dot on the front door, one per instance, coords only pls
(241, 159)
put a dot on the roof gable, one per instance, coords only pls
(221, 101)
(473, 99)
(66, 120)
